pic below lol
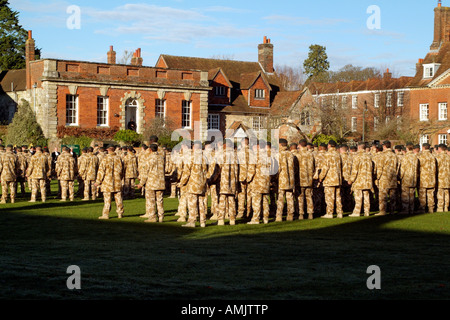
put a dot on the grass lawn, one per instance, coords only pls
(130, 259)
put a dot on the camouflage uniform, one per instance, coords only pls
(9, 167)
(427, 180)
(185, 157)
(130, 164)
(65, 172)
(81, 165)
(21, 178)
(305, 182)
(361, 182)
(213, 187)
(331, 177)
(286, 183)
(154, 180)
(386, 171)
(408, 174)
(194, 181)
(258, 176)
(443, 185)
(318, 190)
(37, 173)
(90, 174)
(109, 178)
(228, 183)
(243, 161)
(346, 189)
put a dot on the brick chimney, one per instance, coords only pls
(137, 59)
(111, 55)
(387, 74)
(265, 55)
(30, 51)
(441, 26)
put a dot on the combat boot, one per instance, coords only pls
(279, 219)
(232, 222)
(266, 221)
(290, 217)
(202, 224)
(354, 215)
(160, 219)
(181, 219)
(3, 201)
(150, 220)
(253, 222)
(327, 216)
(221, 223)
(144, 216)
(104, 217)
(189, 225)
(310, 216)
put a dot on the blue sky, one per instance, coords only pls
(234, 29)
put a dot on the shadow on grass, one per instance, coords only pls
(308, 259)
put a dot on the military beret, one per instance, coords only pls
(332, 143)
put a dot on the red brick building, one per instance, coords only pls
(86, 95)
(430, 88)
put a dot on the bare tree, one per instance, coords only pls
(126, 57)
(292, 79)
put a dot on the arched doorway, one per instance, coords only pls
(131, 107)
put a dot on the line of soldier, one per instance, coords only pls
(330, 178)
(252, 178)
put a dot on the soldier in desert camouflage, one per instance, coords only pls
(90, 174)
(66, 172)
(386, 175)
(243, 162)
(37, 173)
(153, 178)
(305, 182)
(227, 172)
(346, 189)
(427, 179)
(331, 177)
(259, 176)
(194, 180)
(21, 178)
(130, 164)
(286, 182)
(443, 181)
(109, 179)
(408, 176)
(318, 190)
(361, 181)
(185, 157)
(9, 168)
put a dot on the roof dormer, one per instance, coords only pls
(430, 69)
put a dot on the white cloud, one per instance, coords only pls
(303, 21)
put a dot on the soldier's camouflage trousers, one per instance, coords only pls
(387, 200)
(38, 184)
(196, 207)
(154, 200)
(243, 202)
(260, 202)
(305, 194)
(289, 195)
(442, 200)
(107, 198)
(360, 196)
(12, 190)
(426, 199)
(227, 202)
(408, 195)
(90, 190)
(333, 200)
(67, 187)
(213, 191)
(182, 203)
(318, 200)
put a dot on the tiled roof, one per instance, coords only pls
(16, 77)
(382, 83)
(442, 57)
(284, 101)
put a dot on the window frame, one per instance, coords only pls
(443, 141)
(441, 116)
(421, 110)
(76, 110)
(258, 96)
(355, 102)
(183, 113)
(106, 116)
(158, 105)
(210, 121)
(354, 124)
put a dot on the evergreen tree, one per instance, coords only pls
(316, 65)
(12, 39)
(24, 128)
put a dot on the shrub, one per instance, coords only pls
(24, 129)
(127, 136)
